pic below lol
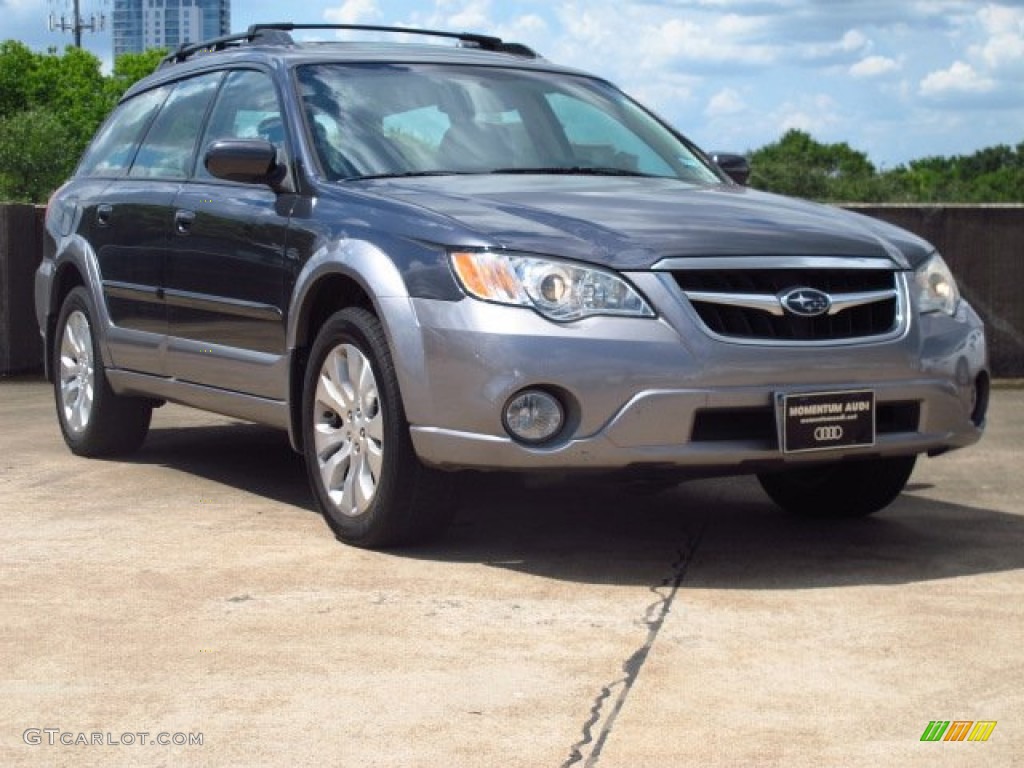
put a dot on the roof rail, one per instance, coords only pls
(484, 42)
(277, 34)
(185, 51)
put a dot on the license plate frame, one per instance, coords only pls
(826, 421)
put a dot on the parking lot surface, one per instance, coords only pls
(191, 594)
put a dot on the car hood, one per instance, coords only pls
(632, 223)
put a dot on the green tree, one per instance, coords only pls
(800, 166)
(16, 64)
(37, 152)
(50, 106)
(130, 68)
(72, 85)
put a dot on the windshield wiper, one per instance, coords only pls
(402, 175)
(574, 170)
(580, 170)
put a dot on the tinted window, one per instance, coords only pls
(376, 120)
(246, 108)
(114, 147)
(169, 147)
(600, 139)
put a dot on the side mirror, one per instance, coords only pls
(736, 167)
(250, 161)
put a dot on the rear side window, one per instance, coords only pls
(113, 148)
(169, 148)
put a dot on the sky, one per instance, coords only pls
(895, 79)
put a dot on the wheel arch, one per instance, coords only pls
(329, 293)
(351, 273)
(75, 266)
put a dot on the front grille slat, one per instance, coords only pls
(867, 320)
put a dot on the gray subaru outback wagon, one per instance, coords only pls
(425, 258)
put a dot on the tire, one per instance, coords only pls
(366, 478)
(95, 422)
(854, 489)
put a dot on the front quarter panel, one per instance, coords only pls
(379, 278)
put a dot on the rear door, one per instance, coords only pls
(133, 220)
(126, 223)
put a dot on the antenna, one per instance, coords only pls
(76, 24)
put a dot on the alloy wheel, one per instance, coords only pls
(348, 430)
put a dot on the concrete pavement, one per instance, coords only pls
(191, 592)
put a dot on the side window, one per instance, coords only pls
(246, 108)
(113, 148)
(599, 140)
(169, 147)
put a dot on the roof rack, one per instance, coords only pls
(186, 51)
(484, 42)
(277, 33)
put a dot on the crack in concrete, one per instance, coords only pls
(654, 619)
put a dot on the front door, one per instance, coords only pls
(227, 268)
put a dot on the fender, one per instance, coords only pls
(378, 277)
(75, 252)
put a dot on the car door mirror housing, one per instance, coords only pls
(250, 161)
(736, 167)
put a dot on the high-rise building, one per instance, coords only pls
(142, 24)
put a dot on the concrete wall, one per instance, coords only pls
(21, 248)
(984, 244)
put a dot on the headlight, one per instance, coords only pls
(936, 288)
(559, 290)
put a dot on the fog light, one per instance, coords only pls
(533, 416)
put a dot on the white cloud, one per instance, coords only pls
(873, 66)
(852, 42)
(961, 78)
(665, 95)
(353, 12)
(1004, 47)
(626, 37)
(474, 16)
(724, 103)
(816, 114)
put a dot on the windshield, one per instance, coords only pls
(402, 120)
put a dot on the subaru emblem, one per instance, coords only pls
(806, 302)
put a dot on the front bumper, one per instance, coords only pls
(665, 394)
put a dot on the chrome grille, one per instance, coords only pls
(744, 304)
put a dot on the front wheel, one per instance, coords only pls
(854, 489)
(369, 484)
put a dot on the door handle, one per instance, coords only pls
(103, 213)
(183, 221)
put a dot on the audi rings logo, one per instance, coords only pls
(806, 302)
(828, 434)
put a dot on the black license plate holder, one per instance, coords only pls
(827, 421)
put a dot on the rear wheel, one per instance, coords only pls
(368, 482)
(853, 489)
(94, 420)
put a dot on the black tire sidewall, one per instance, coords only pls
(117, 425)
(854, 489)
(383, 519)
